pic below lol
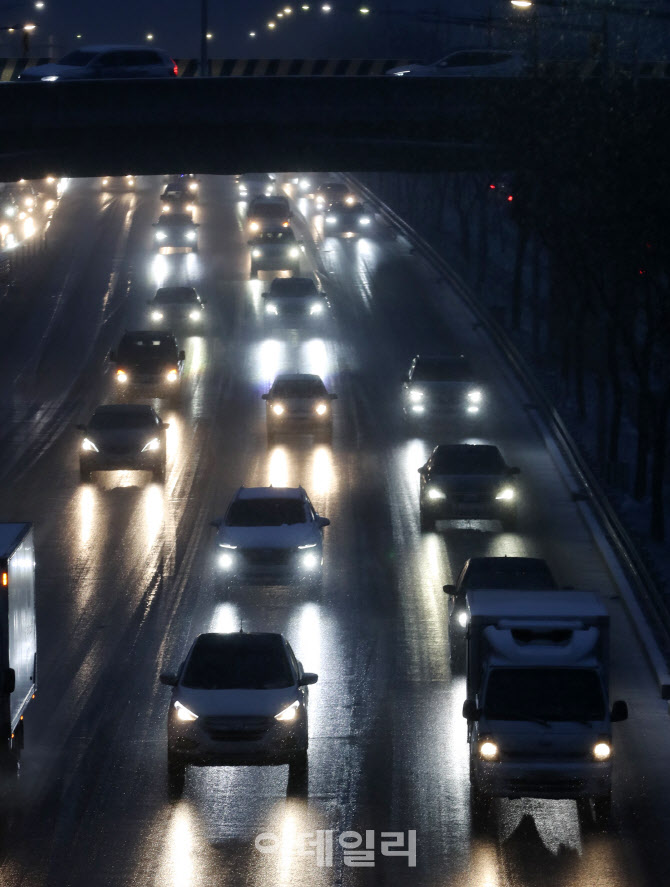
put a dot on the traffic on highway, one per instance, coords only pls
(296, 589)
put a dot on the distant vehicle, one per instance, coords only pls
(298, 403)
(177, 306)
(117, 183)
(332, 192)
(467, 481)
(439, 384)
(469, 63)
(268, 212)
(500, 573)
(177, 231)
(129, 436)
(177, 197)
(18, 640)
(253, 184)
(275, 249)
(346, 219)
(537, 706)
(104, 63)
(295, 298)
(148, 363)
(238, 699)
(270, 536)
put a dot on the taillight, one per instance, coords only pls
(175, 69)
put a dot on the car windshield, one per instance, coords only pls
(283, 236)
(268, 210)
(147, 347)
(442, 370)
(106, 421)
(299, 388)
(181, 295)
(545, 694)
(270, 512)
(238, 662)
(293, 286)
(78, 58)
(508, 573)
(468, 459)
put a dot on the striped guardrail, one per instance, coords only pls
(10, 68)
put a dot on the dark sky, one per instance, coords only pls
(417, 29)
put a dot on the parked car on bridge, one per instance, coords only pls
(469, 63)
(105, 63)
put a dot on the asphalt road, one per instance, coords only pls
(126, 579)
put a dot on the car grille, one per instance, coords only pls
(267, 556)
(236, 729)
(119, 450)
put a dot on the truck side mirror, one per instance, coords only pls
(10, 681)
(323, 521)
(470, 710)
(449, 589)
(170, 680)
(308, 678)
(619, 711)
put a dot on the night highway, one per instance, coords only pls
(127, 578)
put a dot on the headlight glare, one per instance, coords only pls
(271, 308)
(475, 396)
(289, 713)
(321, 409)
(294, 252)
(87, 444)
(316, 308)
(172, 375)
(161, 235)
(506, 494)
(156, 315)
(121, 376)
(153, 444)
(435, 493)
(416, 395)
(602, 751)
(462, 618)
(277, 409)
(488, 750)
(256, 253)
(183, 713)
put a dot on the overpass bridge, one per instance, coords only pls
(230, 124)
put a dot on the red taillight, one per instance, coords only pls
(510, 198)
(492, 187)
(175, 69)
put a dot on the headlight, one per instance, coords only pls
(475, 396)
(49, 205)
(462, 618)
(167, 208)
(190, 235)
(277, 409)
(121, 376)
(364, 220)
(488, 750)
(350, 200)
(226, 545)
(308, 545)
(105, 181)
(316, 308)
(156, 315)
(321, 409)
(88, 444)
(304, 184)
(194, 315)
(226, 561)
(49, 79)
(256, 253)
(506, 494)
(172, 375)
(193, 186)
(161, 235)
(435, 493)
(294, 252)
(153, 444)
(330, 220)
(289, 713)
(183, 713)
(190, 207)
(310, 561)
(130, 181)
(254, 226)
(4, 229)
(29, 201)
(416, 395)
(269, 190)
(602, 751)
(271, 308)
(243, 189)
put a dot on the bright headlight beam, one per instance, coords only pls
(488, 750)
(506, 494)
(289, 713)
(153, 444)
(183, 713)
(602, 751)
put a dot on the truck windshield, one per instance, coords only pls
(546, 694)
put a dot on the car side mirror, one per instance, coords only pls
(470, 710)
(265, 396)
(307, 679)
(182, 355)
(80, 427)
(165, 424)
(514, 470)
(9, 683)
(449, 589)
(619, 711)
(112, 356)
(323, 521)
(170, 680)
(216, 523)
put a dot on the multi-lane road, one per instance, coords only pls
(126, 579)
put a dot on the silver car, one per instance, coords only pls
(105, 63)
(469, 63)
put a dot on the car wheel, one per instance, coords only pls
(159, 473)
(176, 776)
(85, 474)
(426, 521)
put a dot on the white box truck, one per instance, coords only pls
(537, 707)
(18, 646)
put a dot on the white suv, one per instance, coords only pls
(270, 536)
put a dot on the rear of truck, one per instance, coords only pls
(539, 722)
(18, 639)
